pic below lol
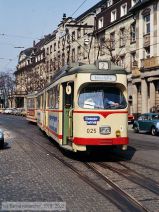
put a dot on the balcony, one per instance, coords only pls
(135, 72)
(150, 62)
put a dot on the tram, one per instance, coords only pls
(85, 105)
(31, 114)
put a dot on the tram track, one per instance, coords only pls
(114, 194)
(123, 159)
(144, 166)
(133, 176)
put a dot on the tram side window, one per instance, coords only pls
(56, 97)
(53, 98)
(50, 98)
(38, 102)
(42, 102)
(30, 103)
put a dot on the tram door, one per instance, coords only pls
(68, 98)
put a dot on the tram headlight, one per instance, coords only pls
(118, 133)
(105, 130)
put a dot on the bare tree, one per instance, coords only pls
(29, 81)
(7, 87)
(113, 44)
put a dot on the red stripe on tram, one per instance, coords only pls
(102, 113)
(55, 134)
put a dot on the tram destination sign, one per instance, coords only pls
(100, 77)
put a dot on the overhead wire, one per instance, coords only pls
(79, 7)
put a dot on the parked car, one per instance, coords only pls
(1, 139)
(8, 111)
(131, 118)
(13, 111)
(148, 122)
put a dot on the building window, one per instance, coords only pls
(47, 51)
(79, 51)
(58, 44)
(59, 62)
(138, 88)
(100, 22)
(78, 33)
(123, 9)
(109, 3)
(122, 37)
(147, 52)
(73, 55)
(102, 45)
(85, 29)
(112, 40)
(54, 47)
(133, 32)
(51, 65)
(68, 39)
(113, 15)
(133, 59)
(133, 2)
(50, 49)
(63, 42)
(55, 63)
(73, 36)
(147, 24)
(63, 59)
(122, 61)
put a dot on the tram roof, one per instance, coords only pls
(88, 68)
(76, 68)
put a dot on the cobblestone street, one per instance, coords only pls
(29, 172)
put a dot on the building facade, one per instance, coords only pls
(145, 77)
(71, 42)
(31, 72)
(124, 31)
(115, 37)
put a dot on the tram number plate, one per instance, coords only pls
(91, 130)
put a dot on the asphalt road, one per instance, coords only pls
(29, 172)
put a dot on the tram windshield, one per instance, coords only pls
(101, 97)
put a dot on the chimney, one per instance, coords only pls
(64, 16)
(34, 43)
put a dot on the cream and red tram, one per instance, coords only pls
(86, 105)
(31, 114)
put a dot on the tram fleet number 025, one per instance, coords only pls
(91, 130)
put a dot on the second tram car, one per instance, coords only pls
(85, 105)
(31, 114)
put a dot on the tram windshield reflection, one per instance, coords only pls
(101, 97)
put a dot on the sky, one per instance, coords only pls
(22, 21)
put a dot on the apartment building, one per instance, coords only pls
(115, 37)
(30, 74)
(72, 41)
(145, 76)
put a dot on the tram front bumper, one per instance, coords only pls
(101, 141)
